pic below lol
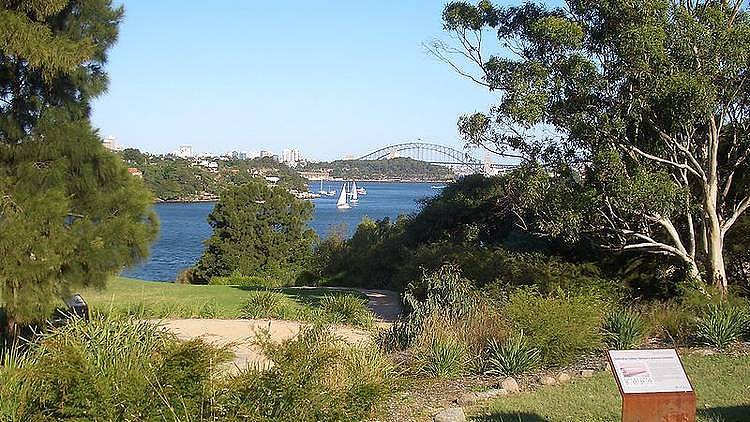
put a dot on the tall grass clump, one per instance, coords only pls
(624, 329)
(262, 304)
(722, 325)
(110, 369)
(514, 356)
(442, 357)
(563, 326)
(313, 377)
(347, 309)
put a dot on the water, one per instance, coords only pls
(184, 226)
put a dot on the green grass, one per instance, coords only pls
(148, 299)
(722, 384)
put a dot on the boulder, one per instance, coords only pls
(452, 414)
(563, 377)
(587, 373)
(547, 380)
(491, 394)
(468, 398)
(510, 385)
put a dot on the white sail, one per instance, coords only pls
(354, 191)
(341, 203)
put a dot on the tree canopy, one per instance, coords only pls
(257, 230)
(70, 214)
(632, 116)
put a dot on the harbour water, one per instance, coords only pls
(184, 226)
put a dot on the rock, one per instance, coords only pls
(452, 414)
(563, 377)
(510, 385)
(468, 398)
(587, 373)
(547, 380)
(491, 394)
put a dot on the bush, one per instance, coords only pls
(670, 321)
(624, 329)
(721, 326)
(262, 304)
(513, 357)
(313, 377)
(109, 369)
(442, 357)
(562, 326)
(347, 309)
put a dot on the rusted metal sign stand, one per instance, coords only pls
(653, 385)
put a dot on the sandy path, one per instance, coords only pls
(238, 334)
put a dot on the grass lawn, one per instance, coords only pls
(152, 299)
(722, 385)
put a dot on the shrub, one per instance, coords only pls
(721, 326)
(347, 309)
(670, 321)
(562, 326)
(442, 357)
(261, 304)
(624, 329)
(110, 369)
(313, 377)
(515, 356)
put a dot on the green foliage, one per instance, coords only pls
(274, 277)
(721, 326)
(72, 216)
(400, 168)
(52, 53)
(515, 356)
(563, 326)
(172, 178)
(275, 305)
(109, 369)
(347, 309)
(671, 321)
(257, 229)
(624, 329)
(313, 377)
(442, 357)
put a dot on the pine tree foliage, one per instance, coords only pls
(70, 214)
(258, 229)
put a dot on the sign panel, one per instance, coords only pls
(649, 371)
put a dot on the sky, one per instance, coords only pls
(330, 78)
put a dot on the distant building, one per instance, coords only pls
(291, 157)
(264, 154)
(184, 151)
(110, 142)
(239, 155)
(135, 172)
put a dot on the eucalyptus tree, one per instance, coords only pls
(633, 117)
(70, 214)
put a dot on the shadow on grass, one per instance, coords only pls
(307, 295)
(510, 417)
(725, 414)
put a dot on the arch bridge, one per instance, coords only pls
(459, 161)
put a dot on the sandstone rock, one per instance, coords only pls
(469, 398)
(493, 393)
(587, 373)
(452, 414)
(510, 385)
(547, 380)
(563, 377)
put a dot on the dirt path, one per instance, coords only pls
(238, 334)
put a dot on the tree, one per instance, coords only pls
(258, 229)
(633, 117)
(70, 214)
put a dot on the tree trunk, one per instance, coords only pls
(716, 260)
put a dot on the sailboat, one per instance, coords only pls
(353, 192)
(341, 203)
(325, 192)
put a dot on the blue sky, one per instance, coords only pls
(328, 77)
